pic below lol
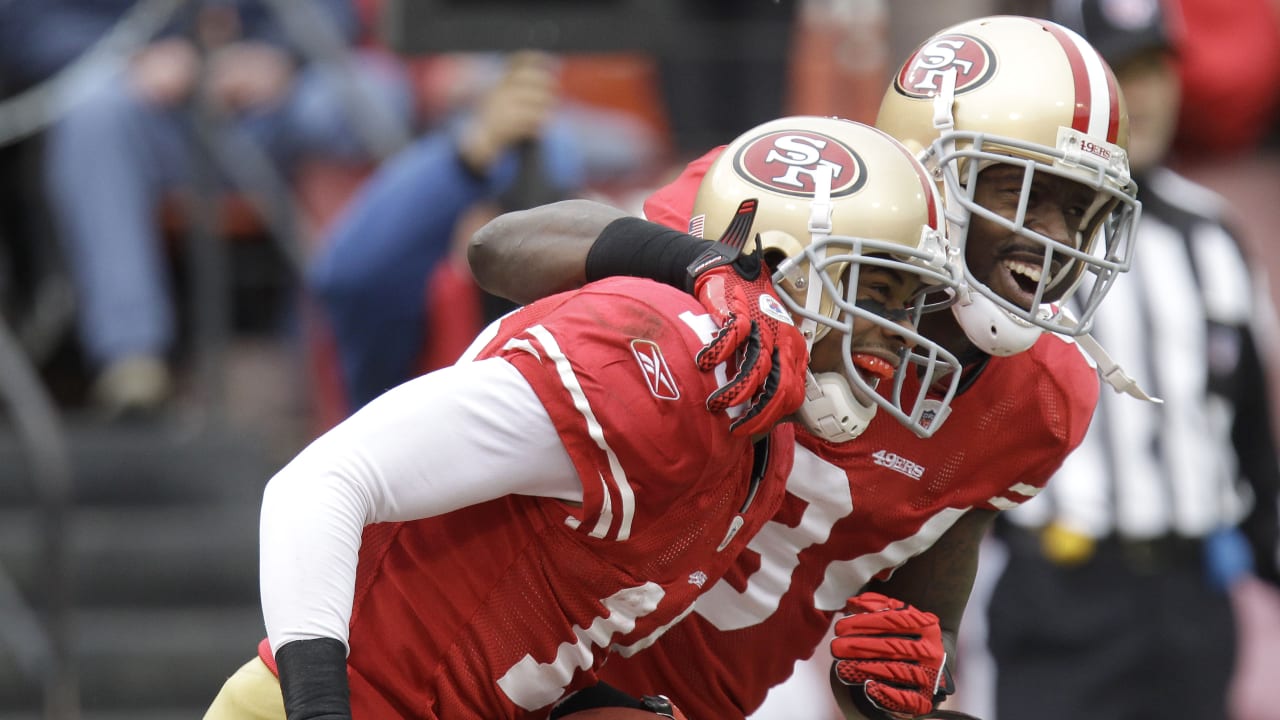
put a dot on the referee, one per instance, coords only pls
(1113, 603)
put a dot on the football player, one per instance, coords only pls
(475, 543)
(1021, 122)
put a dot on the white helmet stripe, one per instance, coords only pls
(1097, 100)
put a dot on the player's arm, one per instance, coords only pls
(554, 243)
(902, 632)
(527, 254)
(1253, 438)
(530, 254)
(940, 579)
(411, 453)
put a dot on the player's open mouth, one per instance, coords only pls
(873, 368)
(1019, 281)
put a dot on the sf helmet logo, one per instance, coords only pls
(788, 161)
(967, 57)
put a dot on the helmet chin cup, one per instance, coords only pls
(831, 410)
(993, 329)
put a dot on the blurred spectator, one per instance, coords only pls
(127, 141)
(1228, 67)
(1230, 71)
(722, 84)
(1114, 601)
(396, 305)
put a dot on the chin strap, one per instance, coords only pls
(1111, 372)
(831, 410)
(819, 229)
(1109, 369)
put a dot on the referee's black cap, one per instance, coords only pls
(1119, 30)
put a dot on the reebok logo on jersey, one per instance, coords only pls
(898, 464)
(698, 578)
(654, 368)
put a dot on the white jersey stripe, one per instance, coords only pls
(618, 480)
(482, 340)
(605, 520)
(1001, 503)
(1025, 490)
(844, 574)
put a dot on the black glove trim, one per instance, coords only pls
(946, 684)
(728, 249)
(718, 254)
(864, 705)
(313, 679)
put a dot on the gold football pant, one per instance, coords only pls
(252, 693)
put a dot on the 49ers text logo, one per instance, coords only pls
(787, 161)
(968, 57)
(897, 463)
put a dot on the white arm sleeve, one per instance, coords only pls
(459, 436)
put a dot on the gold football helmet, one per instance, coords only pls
(1033, 94)
(834, 196)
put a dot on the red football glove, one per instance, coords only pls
(894, 651)
(754, 325)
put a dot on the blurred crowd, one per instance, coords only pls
(162, 123)
(328, 181)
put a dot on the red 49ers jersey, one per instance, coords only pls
(672, 204)
(855, 511)
(499, 609)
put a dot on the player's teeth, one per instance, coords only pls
(1031, 272)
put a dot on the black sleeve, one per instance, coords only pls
(1254, 440)
(313, 679)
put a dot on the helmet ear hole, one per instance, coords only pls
(773, 257)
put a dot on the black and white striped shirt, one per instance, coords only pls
(1190, 322)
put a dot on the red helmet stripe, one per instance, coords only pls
(1079, 74)
(1113, 92)
(1093, 115)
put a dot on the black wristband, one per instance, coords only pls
(639, 248)
(313, 679)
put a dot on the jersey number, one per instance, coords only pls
(825, 488)
(531, 684)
